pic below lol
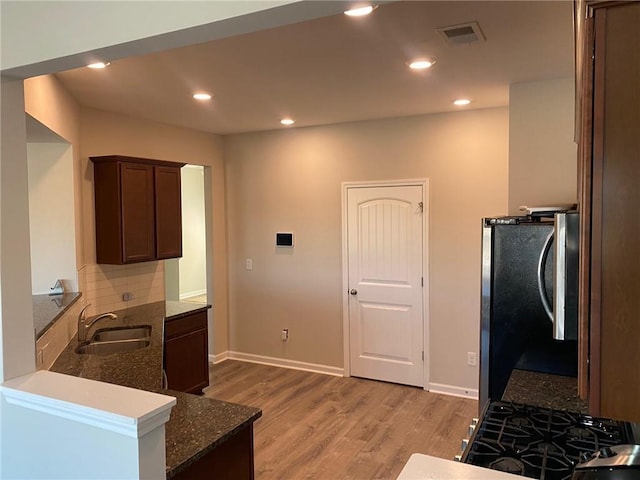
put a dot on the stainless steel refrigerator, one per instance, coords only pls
(529, 299)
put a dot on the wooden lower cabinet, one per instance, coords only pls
(233, 459)
(185, 353)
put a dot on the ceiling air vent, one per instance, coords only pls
(460, 34)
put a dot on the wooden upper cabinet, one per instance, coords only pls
(138, 209)
(168, 212)
(610, 177)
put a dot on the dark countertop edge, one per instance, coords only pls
(75, 297)
(185, 309)
(197, 456)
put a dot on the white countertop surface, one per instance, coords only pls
(425, 467)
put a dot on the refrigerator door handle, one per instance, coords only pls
(541, 284)
(560, 277)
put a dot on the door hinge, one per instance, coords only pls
(423, 355)
(422, 281)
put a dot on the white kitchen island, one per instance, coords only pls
(425, 467)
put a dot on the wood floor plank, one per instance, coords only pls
(320, 427)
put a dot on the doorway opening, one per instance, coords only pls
(186, 277)
(52, 221)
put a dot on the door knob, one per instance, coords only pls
(353, 291)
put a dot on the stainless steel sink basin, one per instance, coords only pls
(117, 340)
(121, 333)
(107, 348)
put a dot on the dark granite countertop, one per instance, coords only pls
(197, 424)
(200, 424)
(137, 369)
(181, 309)
(544, 390)
(48, 308)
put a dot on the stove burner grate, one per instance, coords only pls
(508, 464)
(538, 442)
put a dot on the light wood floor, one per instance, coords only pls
(316, 426)
(197, 299)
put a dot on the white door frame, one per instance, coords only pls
(424, 183)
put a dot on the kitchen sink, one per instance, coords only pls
(107, 341)
(108, 348)
(121, 333)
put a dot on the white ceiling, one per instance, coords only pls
(339, 69)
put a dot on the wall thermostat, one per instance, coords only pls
(284, 239)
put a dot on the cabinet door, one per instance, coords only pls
(186, 360)
(186, 363)
(168, 212)
(615, 262)
(233, 458)
(137, 209)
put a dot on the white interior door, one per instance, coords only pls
(385, 262)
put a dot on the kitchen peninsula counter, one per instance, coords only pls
(198, 425)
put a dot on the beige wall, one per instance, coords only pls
(16, 313)
(542, 153)
(51, 216)
(104, 133)
(46, 100)
(291, 180)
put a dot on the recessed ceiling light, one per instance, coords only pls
(421, 64)
(202, 96)
(462, 101)
(360, 11)
(98, 65)
(287, 121)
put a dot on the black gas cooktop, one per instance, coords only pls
(539, 442)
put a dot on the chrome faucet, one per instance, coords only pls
(83, 325)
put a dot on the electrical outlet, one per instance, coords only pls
(285, 334)
(126, 296)
(472, 359)
(248, 264)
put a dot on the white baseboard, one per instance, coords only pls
(192, 294)
(440, 388)
(453, 390)
(279, 362)
(220, 357)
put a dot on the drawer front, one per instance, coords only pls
(182, 325)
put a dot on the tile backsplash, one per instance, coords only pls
(105, 286)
